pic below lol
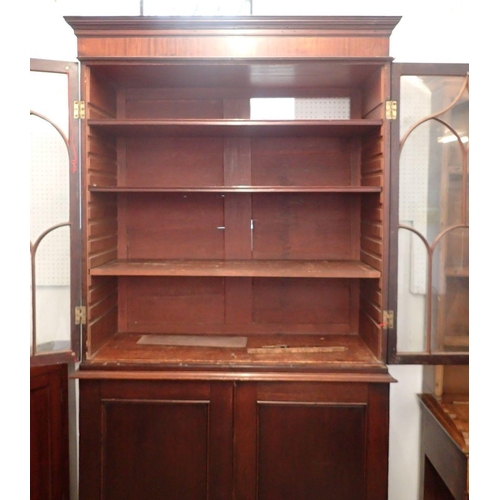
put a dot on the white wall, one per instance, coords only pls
(430, 31)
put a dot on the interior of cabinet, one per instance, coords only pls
(203, 220)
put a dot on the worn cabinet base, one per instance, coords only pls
(233, 439)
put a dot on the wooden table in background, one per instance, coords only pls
(445, 445)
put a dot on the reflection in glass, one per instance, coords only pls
(412, 292)
(450, 327)
(433, 208)
(53, 300)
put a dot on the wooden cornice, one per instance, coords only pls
(333, 25)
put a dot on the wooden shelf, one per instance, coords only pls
(234, 128)
(238, 189)
(238, 268)
(348, 351)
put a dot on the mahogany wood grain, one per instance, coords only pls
(302, 226)
(174, 162)
(302, 301)
(222, 225)
(301, 161)
(372, 237)
(157, 302)
(245, 46)
(371, 317)
(157, 440)
(100, 212)
(102, 329)
(238, 189)
(310, 450)
(238, 300)
(377, 445)
(301, 419)
(241, 78)
(166, 452)
(237, 228)
(49, 435)
(98, 371)
(374, 93)
(100, 98)
(174, 108)
(189, 226)
(237, 162)
(161, 304)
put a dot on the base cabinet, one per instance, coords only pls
(237, 440)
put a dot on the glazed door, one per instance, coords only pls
(55, 272)
(54, 212)
(429, 244)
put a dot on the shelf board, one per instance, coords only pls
(234, 128)
(348, 353)
(238, 189)
(238, 268)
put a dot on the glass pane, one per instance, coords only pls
(49, 207)
(433, 203)
(412, 292)
(450, 328)
(52, 292)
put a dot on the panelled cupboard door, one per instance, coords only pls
(429, 221)
(146, 439)
(297, 441)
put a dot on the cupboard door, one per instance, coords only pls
(429, 246)
(296, 441)
(156, 440)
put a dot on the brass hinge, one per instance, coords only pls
(388, 319)
(391, 110)
(79, 110)
(80, 315)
